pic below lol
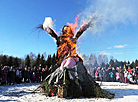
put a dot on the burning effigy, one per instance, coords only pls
(69, 77)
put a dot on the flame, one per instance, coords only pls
(75, 25)
(84, 22)
(68, 46)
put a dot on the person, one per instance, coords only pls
(107, 74)
(125, 75)
(37, 75)
(17, 76)
(66, 42)
(33, 75)
(12, 76)
(103, 74)
(114, 74)
(121, 74)
(133, 73)
(0, 73)
(26, 75)
(29, 74)
(129, 77)
(20, 75)
(4, 75)
(69, 62)
(96, 74)
(43, 74)
(136, 78)
(111, 76)
(76, 79)
(129, 69)
(117, 76)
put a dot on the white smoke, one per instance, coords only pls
(48, 22)
(111, 12)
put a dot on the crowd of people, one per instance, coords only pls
(12, 75)
(111, 74)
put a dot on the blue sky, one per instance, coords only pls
(118, 37)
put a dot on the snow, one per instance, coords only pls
(22, 93)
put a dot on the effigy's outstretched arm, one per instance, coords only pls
(82, 29)
(51, 32)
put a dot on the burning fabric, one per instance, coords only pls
(70, 73)
(66, 42)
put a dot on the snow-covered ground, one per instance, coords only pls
(22, 93)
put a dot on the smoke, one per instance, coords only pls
(111, 13)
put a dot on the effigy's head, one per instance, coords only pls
(67, 30)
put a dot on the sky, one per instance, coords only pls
(115, 33)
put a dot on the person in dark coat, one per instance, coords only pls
(4, 75)
(121, 75)
(26, 75)
(33, 75)
(29, 74)
(114, 74)
(20, 75)
(37, 76)
(0, 73)
(107, 75)
(136, 78)
(12, 76)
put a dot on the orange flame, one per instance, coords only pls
(84, 22)
(75, 25)
(69, 44)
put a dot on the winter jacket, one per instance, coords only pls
(125, 73)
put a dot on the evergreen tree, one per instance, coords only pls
(18, 61)
(42, 61)
(125, 63)
(111, 62)
(4, 60)
(27, 61)
(22, 63)
(91, 62)
(49, 61)
(95, 60)
(116, 63)
(37, 60)
(121, 64)
(128, 63)
(54, 59)
(96, 64)
(103, 64)
(0, 59)
(107, 65)
(105, 59)
(136, 63)
(100, 60)
(132, 65)
(32, 59)
(86, 59)
(10, 61)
